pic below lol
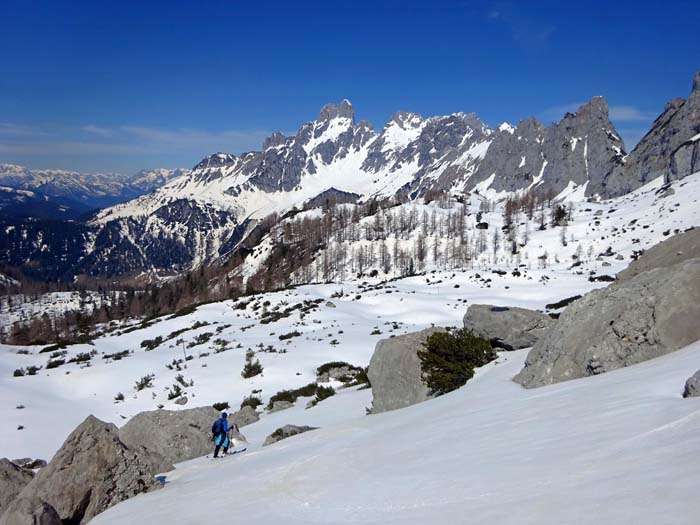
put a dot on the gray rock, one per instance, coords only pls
(507, 327)
(30, 463)
(92, 471)
(673, 250)
(337, 373)
(651, 314)
(666, 150)
(176, 435)
(395, 371)
(245, 416)
(182, 400)
(13, 479)
(280, 405)
(30, 510)
(692, 386)
(285, 432)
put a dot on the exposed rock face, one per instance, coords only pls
(30, 510)
(281, 405)
(13, 479)
(285, 432)
(692, 386)
(395, 371)
(582, 147)
(245, 416)
(671, 148)
(176, 435)
(337, 373)
(673, 250)
(92, 471)
(507, 327)
(628, 322)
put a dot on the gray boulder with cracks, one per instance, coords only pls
(649, 315)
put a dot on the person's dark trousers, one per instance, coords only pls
(218, 446)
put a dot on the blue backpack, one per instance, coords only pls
(218, 427)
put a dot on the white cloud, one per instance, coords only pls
(629, 114)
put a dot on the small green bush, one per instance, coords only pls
(19, 372)
(55, 363)
(221, 406)
(449, 359)
(323, 392)
(251, 368)
(292, 395)
(144, 382)
(251, 401)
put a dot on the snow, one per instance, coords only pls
(505, 126)
(695, 138)
(616, 448)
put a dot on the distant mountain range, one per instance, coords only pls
(201, 215)
(71, 193)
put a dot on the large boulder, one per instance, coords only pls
(395, 371)
(285, 432)
(245, 416)
(673, 250)
(507, 327)
(628, 322)
(30, 510)
(13, 479)
(176, 435)
(280, 405)
(92, 471)
(692, 386)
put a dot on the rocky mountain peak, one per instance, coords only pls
(342, 110)
(274, 140)
(217, 160)
(406, 119)
(696, 84)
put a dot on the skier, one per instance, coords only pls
(219, 431)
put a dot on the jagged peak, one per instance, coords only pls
(406, 119)
(342, 110)
(598, 105)
(696, 84)
(216, 160)
(274, 140)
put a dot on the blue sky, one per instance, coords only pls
(119, 86)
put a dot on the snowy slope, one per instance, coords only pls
(62, 397)
(616, 448)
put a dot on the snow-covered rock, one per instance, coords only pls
(285, 432)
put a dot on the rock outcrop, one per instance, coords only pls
(395, 371)
(13, 479)
(285, 432)
(280, 405)
(692, 386)
(30, 510)
(673, 250)
(176, 435)
(628, 322)
(507, 327)
(670, 149)
(245, 416)
(92, 471)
